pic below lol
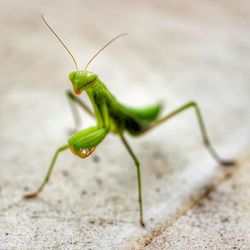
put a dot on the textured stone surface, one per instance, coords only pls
(220, 221)
(176, 51)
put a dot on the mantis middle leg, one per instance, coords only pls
(47, 177)
(82, 144)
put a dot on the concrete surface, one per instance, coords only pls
(176, 51)
(219, 221)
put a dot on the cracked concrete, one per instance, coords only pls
(175, 52)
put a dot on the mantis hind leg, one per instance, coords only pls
(47, 177)
(73, 100)
(137, 164)
(203, 130)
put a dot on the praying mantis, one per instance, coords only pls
(114, 117)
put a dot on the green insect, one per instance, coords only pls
(112, 116)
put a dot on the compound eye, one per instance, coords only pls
(91, 78)
(72, 76)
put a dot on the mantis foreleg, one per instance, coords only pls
(203, 130)
(137, 164)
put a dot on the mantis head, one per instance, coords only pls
(81, 80)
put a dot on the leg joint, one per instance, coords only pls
(193, 103)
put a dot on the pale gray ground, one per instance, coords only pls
(176, 51)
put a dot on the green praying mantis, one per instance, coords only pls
(112, 116)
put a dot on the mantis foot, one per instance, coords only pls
(227, 163)
(31, 195)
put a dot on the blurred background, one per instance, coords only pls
(175, 51)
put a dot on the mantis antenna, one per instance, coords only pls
(106, 45)
(60, 40)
